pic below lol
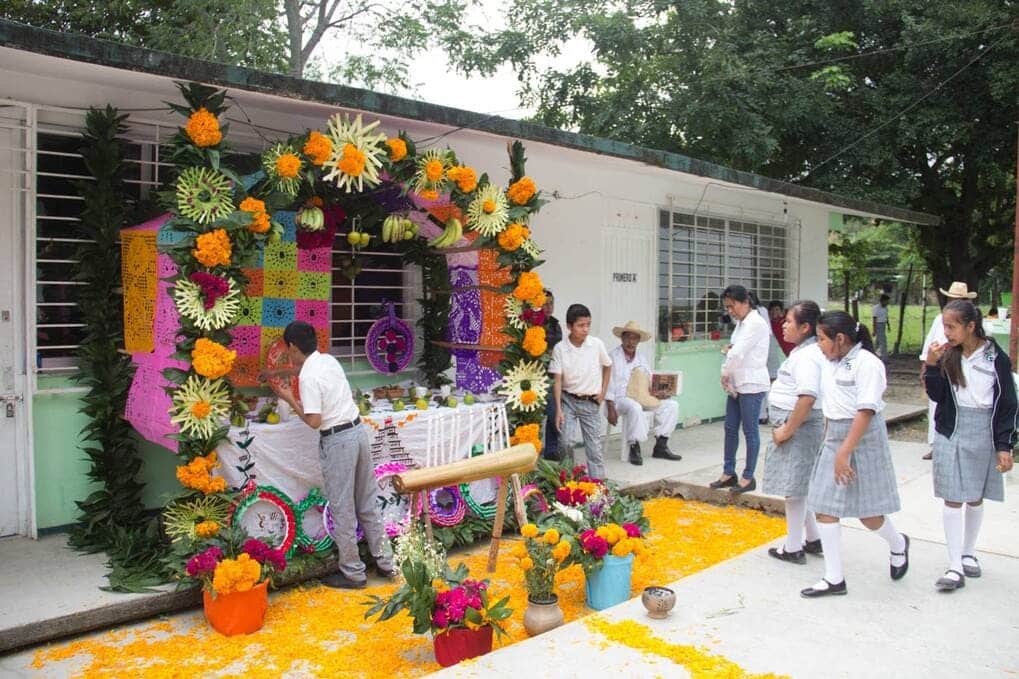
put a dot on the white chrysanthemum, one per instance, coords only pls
(488, 213)
(191, 305)
(358, 153)
(514, 308)
(200, 406)
(180, 518)
(431, 173)
(525, 386)
(531, 248)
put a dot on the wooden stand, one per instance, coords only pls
(506, 465)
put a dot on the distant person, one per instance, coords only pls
(881, 327)
(992, 313)
(619, 404)
(553, 335)
(776, 314)
(581, 368)
(745, 381)
(970, 380)
(957, 290)
(853, 476)
(798, 432)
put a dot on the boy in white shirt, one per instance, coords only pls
(879, 317)
(582, 368)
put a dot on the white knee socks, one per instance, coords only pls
(795, 511)
(952, 517)
(831, 543)
(896, 543)
(974, 517)
(810, 526)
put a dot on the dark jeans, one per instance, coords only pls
(550, 450)
(745, 409)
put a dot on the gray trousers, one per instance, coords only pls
(881, 340)
(588, 414)
(350, 487)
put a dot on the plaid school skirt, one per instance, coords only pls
(789, 466)
(874, 491)
(965, 466)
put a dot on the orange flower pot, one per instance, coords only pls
(237, 612)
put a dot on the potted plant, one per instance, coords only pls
(456, 609)
(235, 581)
(606, 554)
(540, 557)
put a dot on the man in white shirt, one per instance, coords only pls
(881, 327)
(581, 368)
(957, 290)
(347, 470)
(626, 359)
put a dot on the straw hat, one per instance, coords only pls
(634, 327)
(958, 290)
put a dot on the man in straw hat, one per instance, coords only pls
(957, 290)
(628, 396)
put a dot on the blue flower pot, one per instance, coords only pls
(610, 584)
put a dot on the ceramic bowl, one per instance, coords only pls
(658, 601)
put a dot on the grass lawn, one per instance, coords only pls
(913, 331)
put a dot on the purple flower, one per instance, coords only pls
(204, 563)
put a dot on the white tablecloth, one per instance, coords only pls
(285, 455)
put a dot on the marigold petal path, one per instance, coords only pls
(316, 631)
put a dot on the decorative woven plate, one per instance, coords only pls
(390, 343)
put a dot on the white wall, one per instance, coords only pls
(602, 214)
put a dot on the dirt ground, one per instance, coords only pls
(904, 387)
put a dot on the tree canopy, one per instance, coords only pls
(900, 102)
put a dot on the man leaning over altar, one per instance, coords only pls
(629, 396)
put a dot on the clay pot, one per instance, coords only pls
(237, 612)
(541, 616)
(658, 601)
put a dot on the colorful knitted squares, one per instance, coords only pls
(276, 313)
(314, 312)
(245, 371)
(286, 219)
(280, 256)
(314, 259)
(247, 340)
(280, 284)
(254, 286)
(269, 335)
(313, 285)
(165, 267)
(323, 339)
(250, 312)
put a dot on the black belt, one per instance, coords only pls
(340, 427)
(591, 398)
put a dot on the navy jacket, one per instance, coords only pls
(1004, 410)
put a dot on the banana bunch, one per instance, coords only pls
(396, 229)
(311, 218)
(453, 232)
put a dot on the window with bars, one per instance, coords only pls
(698, 256)
(59, 328)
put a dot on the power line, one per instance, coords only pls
(904, 111)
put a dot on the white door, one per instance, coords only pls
(15, 458)
(628, 254)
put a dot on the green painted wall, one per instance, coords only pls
(701, 364)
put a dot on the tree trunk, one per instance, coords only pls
(295, 35)
(845, 290)
(902, 311)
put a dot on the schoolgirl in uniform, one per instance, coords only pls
(970, 380)
(795, 413)
(853, 475)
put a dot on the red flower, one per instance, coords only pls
(534, 316)
(213, 287)
(632, 530)
(594, 544)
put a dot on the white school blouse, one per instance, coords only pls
(746, 364)
(856, 382)
(799, 375)
(935, 334)
(978, 370)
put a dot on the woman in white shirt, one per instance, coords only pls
(853, 476)
(970, 380)
(795, 414)
(745, 379)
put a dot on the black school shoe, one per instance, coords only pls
(898, 571)
(792, 557)
(949, 584)
(830, 590)
(635, 457)
(739, 490)
(813, 547)
(341, 581)
(662, 450)
(728, 483)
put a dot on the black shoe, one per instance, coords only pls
(830, 590)
(947, 584)
(552, 456)
(387, 574)
(898, 571)
(341, 581)
(970, 571)
(662, 451)
(792, 557)
(739, 490)
(727, 483)
(813, 547)
(635, 457)
(928, 456)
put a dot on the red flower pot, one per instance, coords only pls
(238, 612)
(458, 644)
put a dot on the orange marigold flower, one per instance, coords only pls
(527, 397)
(527, 433)
(534, 341)
(251, 204)
(513, 236)
(529, 288)
(520, 192)
(316, 201)
(288, 165)
(529, 530)
(465, 177)
(259, 222)
(551, 536)
(352, 161)
(397, 149)
(203, 129)
(488, 206)
(211, 359)
(213, 248)
(429, 194)
(433, 170)
(236, 575)
(200, 410)
(206, 529)
(318, 148)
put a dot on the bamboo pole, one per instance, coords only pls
(513, 460)
(500, 518)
